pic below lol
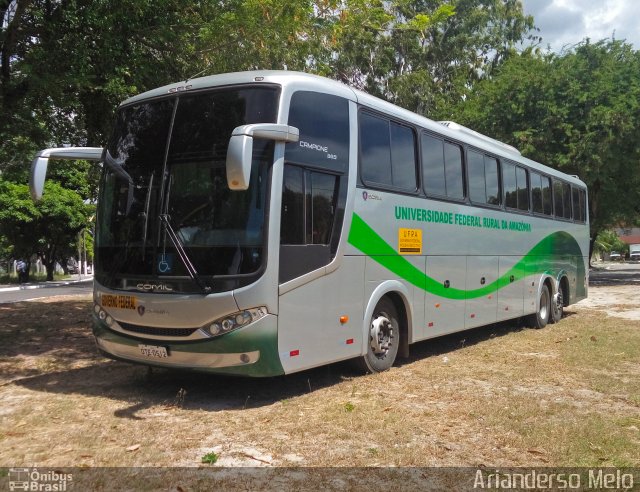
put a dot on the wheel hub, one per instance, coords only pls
(381, 335)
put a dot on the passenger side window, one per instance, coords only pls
(516, 187)
(566, 199)
(453, 170)
(441, 167)
(583, 206)
(433, 165)
(387, 153)
(557, 198)
(547, 203)
(483, 178)
(562, 199)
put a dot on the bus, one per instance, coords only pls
(262, 223)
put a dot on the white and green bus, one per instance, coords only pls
(263, 223)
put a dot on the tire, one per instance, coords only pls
(557, 306)
(384, 338)
(541, 317)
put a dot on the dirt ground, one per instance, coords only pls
(505, 395)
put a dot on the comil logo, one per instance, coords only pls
(154, 287)
(37, 480)
(370, 196)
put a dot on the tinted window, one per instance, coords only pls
(483, 178)
(308, 206)
(523, 188)
(375, 153)
(583, 206)
(491, 176)
(575, 194)
(566, 200)
(541, 194)
(176, 161)
(292, 230)
(322, 210)
(557, 198)
(562, 199)
(475, 166)
(387, 153)
(323, 121)
(546, 195)
(433, 165)
(536, 193)
(403, 157)
(453, 170)
(510, 185)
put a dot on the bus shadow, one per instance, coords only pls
(450, 343)
(47, 348)
(141, 388)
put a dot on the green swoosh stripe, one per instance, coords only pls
(541, 258)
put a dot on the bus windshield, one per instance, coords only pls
(166, 160)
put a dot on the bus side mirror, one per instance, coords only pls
(240, 150)
(41, 161)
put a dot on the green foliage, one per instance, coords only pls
(45, 228)
(608, 241)
(424, 55)
(210, 458)
(578, 112)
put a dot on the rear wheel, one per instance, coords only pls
(384, 338)
(557, 306)
(541, 317)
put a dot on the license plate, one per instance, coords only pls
(120, 302)
(153, 351)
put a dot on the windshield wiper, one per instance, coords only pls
(177, 243)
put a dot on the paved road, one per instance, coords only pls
(79, 288)
(615, 274)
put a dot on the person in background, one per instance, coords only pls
(21, 268)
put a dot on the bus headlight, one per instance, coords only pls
(234, 321)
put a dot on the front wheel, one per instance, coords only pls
(541, 317)
(384, 338)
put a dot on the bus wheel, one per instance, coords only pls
(384, 338)
(541, 318)
(557, 307)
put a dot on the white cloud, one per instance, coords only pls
(567, 22)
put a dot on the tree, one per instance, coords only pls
(425, 54)
(64, 68)
(44, 228)
(578, 112)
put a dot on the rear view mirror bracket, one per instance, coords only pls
(240, 150)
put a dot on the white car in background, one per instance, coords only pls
(615, 256)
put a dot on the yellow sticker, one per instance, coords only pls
(410, 241)
(120, 302)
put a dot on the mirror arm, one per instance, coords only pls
(240, 150)
(41, 161)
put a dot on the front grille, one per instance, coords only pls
(158, 332)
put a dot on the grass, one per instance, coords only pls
(8, 279)
(566, 395)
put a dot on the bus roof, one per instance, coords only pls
(304, 81)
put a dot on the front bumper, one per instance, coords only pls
(248, 351)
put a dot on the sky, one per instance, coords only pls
(567, 22)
